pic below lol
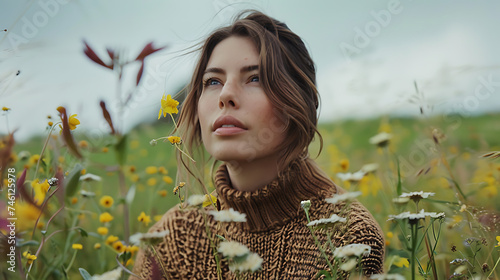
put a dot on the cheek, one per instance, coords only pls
(273, 125)
(204, 112)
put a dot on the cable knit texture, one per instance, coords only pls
(275, 229)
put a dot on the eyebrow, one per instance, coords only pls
(243, 69)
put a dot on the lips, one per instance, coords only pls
(228, 125)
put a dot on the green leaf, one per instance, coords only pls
(74, 179)
(85, 274)
(399, 187)
(83, 233)
(28, 243)
(121, 150)
(325, 273)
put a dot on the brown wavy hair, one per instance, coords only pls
(287, 75)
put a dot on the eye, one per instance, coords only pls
(210, 82)
(255, 78)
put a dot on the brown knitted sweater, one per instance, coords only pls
(275, 229)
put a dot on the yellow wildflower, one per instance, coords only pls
(29, 257)
(132, 249)
(167, 179)
(105, 217)
(102, 230)
(209, 201)
(162, 170)
(151, 170)
(134, 178)
(34, 159)
(77, 246)
(105, 149)
(73, 122)
(498, 239)
(344, 164)
(29, 213)
(162, 193)
(97, 246)
(144, 218)
(74, 200)
(168, 106)
(118, 246)
(40, 191)
(390, 234)
(156, 218)
(174, 140)
(400, 262)
(134, 144)
(83, 172)
(151, 181)
(106, 201)
(83, 144)
(111, 239)
(5, 109)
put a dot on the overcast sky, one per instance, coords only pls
(368, 55)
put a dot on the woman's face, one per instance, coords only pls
(238, 122)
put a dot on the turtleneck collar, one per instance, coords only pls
(276, 203)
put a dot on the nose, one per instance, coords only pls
(228, 96)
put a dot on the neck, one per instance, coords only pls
(251, 176)
(277, 202)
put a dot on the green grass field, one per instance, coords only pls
(436, 154)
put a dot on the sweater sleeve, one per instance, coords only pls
(363, 229)
(181, 249)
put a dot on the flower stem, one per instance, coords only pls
(414, 234)
(493, 270)
(323, 253)
(212, 245)
(43, 149)
(123, 192)
(175, 124)
(180, 150)
(71, 262)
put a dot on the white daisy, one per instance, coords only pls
(252, 263)
(349, 265)
(352, 250)
(416, 196)
(370, 167)
(381, 140)
(150, 238)
(90, 177)
(326, 222)
(413, 217)
(110, 275)
(343, 197)
(351, 177)
(388, 277)
(230, 215)
(232, 249)
(196, 200)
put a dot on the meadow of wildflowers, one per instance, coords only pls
(76, 208)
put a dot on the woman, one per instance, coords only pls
(252, 103)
